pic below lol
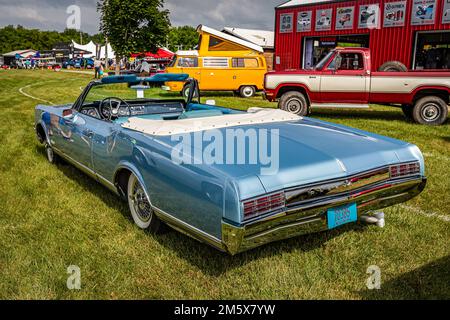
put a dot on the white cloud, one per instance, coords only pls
(51, 14)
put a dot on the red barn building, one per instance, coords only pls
(413, 32)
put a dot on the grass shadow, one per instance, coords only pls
(428, 282)
(215, 263)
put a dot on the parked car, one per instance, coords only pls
(343, 79)
(327, 175)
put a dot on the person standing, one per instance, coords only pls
(97, 65)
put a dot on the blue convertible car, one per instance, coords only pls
(235, 180)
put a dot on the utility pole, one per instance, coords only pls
(106, 54)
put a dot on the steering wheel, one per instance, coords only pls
(110, 107)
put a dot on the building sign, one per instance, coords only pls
(323, 19)
(329, 42)
(304, 21)
(369, 16)
(446, 13)
(286, 22)
(344, 18)
(394, 14)
(423, 12)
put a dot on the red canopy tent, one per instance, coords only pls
(161, 55)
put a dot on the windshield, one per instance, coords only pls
(324, 61)
(126, 92)
(172, 63)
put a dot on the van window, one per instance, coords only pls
(245, 63)
(216, 44)
(213, 62)
(188, 62)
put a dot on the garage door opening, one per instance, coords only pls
(432, 50)
(316, 48)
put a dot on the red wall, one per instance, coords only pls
(393, 43)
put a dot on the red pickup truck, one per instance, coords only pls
(344, 79)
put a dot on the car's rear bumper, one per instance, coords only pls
(313, 218)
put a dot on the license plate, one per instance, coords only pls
(342, 215)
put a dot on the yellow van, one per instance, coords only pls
(222, 63)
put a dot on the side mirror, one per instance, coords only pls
(68, 114)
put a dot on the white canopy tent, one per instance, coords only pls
(91, 47)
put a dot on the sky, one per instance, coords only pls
(51, 14)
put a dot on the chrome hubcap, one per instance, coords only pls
(431, 112)
(248, 91)
(140, 203)
(294, 106)
(50, 154)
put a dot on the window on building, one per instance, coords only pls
(188, 62)
(347, 61)
(216, 44)
(245, 63)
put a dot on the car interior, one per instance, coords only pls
(119, 110)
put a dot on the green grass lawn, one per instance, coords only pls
(52, 217)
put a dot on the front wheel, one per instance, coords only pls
(140, 207)
(431, 111)
(52, 157)
(294, 102)
(186, 90)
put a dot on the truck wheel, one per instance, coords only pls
(408, 111)
(294, 102)
(431, 111)
(247, 91)
(393, 66)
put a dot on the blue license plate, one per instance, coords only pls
(342, 215)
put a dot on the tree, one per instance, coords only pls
(185, 37)
(133, 25)
(15, 38)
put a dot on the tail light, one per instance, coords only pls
(402, 170)
(264, 204)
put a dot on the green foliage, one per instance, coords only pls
(182, 38)
(15, 38)
(134, 26)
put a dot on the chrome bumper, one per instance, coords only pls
(313, 217)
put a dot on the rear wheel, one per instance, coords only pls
(247, 91)
(431, 111)
(140, 207)
(294, 102)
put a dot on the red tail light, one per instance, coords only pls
(264, 204)
(403, 170)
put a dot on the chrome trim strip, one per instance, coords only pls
(87, 170)
(313, 219)
(189, 229)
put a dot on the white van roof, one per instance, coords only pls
(193, 53)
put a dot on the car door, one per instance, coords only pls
(74, 138)
(345, 79)
(108, 148)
